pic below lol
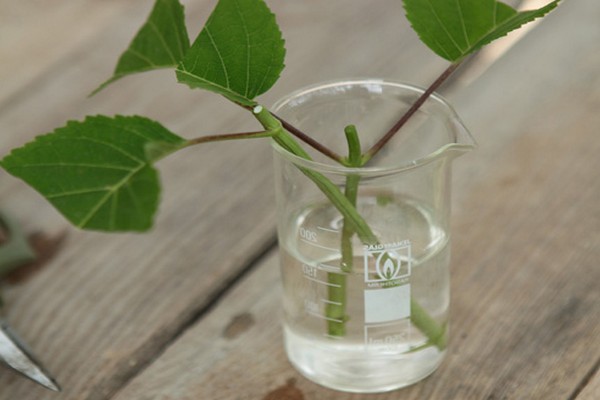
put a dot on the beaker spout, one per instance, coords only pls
(462, 140)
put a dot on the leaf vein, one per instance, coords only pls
(179, 40)
(269, 68)
(495, 13)
(435, 14)
(223, 66)
(76, 192)
(113, 210)
(247, 37)
(441, 47)
(152, 25)
(58, 157)
(139, 134)
(104, 199)
(83, 165)
(133, 196)
(112, 146)
(464, 26)
(142, 57)
(210, 83)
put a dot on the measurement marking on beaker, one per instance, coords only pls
(332, 337)
(328, 230)
(317, 245)
(335, 303)
(328, 268)
(323, 282)
(324, 317)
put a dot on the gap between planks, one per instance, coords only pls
(586, 382)
(211, 303)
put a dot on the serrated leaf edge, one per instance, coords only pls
(151, 65)
(533, 15)
(229, 93)
(489, 37)
(110, 190)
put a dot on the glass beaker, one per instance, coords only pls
(367, 312)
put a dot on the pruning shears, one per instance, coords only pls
(14, 252)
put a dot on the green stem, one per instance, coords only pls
(331, 191)
(419, 316)
(351, 193)
(435, 333)
(335, 310)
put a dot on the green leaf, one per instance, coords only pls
(456, 28)
(98, 172)
(239, 53)
(161, 42)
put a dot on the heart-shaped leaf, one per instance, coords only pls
(456, 28)
(98, 172)
(239, 53)
(160, 43)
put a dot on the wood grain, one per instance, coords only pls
(37, 36)
(590, 389)
(107, 306)
(526, 246)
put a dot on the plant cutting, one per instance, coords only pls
(364, 236)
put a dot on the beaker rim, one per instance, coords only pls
(463, 141)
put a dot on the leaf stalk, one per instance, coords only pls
(228, 136)
(411, 111)
(310, 141)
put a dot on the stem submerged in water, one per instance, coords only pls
(335, 310)
(352, 219)
(435, 333)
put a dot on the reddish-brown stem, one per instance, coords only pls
(304, 137)
(384, 139)
(228, 136)
(416, 105)
(308, 140)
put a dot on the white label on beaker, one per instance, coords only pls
(387, 278)
(390, 304)
(387, 264)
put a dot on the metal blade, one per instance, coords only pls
(15, 353)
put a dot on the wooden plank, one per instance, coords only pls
(525, 250)
(108, 305)
(36, 35)
(236, 351)
(591, 390)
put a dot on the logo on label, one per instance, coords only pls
(384, 263)
(390, 268)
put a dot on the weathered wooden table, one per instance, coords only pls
(189, 311)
